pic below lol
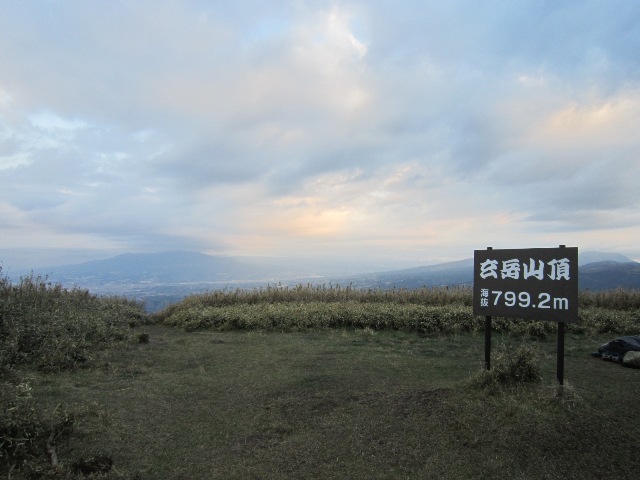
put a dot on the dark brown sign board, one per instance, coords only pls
(532, 283)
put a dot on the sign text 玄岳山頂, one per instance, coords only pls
(533, 283)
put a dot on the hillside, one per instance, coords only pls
(159, 268)
(606, 275)
(597, 271)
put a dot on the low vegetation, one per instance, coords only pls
(512, 367)
(427, 311)
(46, 328)
(307, 382)
(53, 328)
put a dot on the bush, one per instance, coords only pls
(26, 433)
(615, 299)
(296, 316)
(331, 294)
(54, 328)
(427, 311)
(50, 328)
(511, 368)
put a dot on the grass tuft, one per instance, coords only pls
(26, 431)
(566, 396)
(511, 368)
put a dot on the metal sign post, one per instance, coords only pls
(487, 342)
(560, 354)
(533, 283)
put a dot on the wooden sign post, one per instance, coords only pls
(533, 283)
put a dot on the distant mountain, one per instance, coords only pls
(609, 274)
(597, 271)
(160, 279)
(593, 257)
(157, 268)
(450, 273)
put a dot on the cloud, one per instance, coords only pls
(578, 156)
(317, 128)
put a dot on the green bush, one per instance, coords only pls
(295, 316)
(50, 328)
(26, 433)
(54, 328)
(597, 320)
(331, 294)
(510, 368)
(427, 311)
(616, 299)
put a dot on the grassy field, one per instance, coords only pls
(328, 384)
(344, 404)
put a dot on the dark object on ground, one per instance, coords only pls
(89, 465)
(617, 348)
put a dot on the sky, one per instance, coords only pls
(394, 133)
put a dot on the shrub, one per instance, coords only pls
(331, 294)
(427, 311)
(511, 368)
(54, 328)
(26, 433)
(615, 299)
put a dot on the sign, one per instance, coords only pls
(533, 283)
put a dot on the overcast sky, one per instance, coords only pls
(400, 132)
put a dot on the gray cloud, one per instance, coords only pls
(267, 127)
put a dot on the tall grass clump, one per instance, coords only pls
(427, 296)
(318, 315)
(53, 328)
(438, 310)
(625, 299)
(425, 310)
(30, 436)
(512, 367)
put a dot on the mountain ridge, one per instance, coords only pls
(597, 271)
(162, 278)
(163, 267)
(188, 266)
